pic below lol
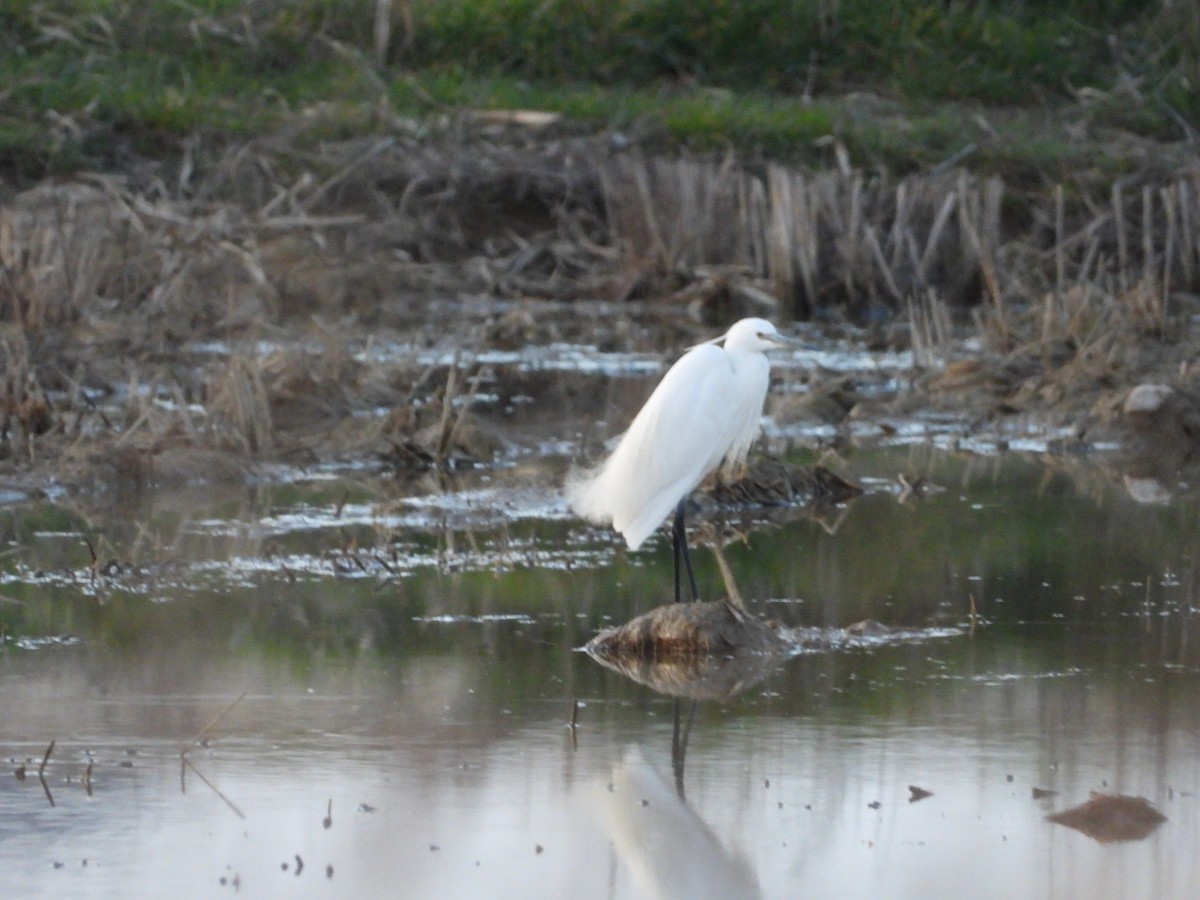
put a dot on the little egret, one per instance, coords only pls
(705, 411)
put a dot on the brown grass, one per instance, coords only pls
(105, 286)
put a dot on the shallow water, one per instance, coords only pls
(407, 666)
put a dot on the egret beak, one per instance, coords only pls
(782, 341)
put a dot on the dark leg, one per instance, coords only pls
(679, 742)
(679, 534)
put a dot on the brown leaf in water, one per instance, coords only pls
(1110, 818)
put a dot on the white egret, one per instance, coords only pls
(704, 412)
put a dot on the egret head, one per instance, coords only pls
(753, 336)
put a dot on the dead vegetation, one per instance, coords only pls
(703, 676)
(683, 631)
(230, 305)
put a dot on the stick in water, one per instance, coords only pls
(207, 728)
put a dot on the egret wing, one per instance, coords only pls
(682, 433)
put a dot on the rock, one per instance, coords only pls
(1147, 399)
(1159, 428)
(1161, 414)
(1147, 490)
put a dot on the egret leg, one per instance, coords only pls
(679, 534)
(680, 733)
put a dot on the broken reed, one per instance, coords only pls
(90, 263)
(845, 238)
(81, 252)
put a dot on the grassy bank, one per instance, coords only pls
(1030, 90)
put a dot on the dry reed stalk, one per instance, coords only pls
(451, 420)
(1148, 266)
(139, 407)
(930, 328)
(755, 248)
(850, 240)
(1168, 202)
(976, 249)
(654, 231)
(381, 31)
(1092, 260)
(239, 404)
(445, 426)
(935, 233)
(1060, 260)
(834, 236)
(900, 234)
(877, 251)
(781, 239)
(54, 253)
(1188, 247)
(1118, 205)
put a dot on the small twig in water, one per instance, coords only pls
(95, 563)
(574, 723)
(731, 588)
(203, 731)
(45, 759)
(42, 774)
(187, 762)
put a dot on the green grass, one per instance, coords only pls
(82, 78)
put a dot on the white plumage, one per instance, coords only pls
(705, 411)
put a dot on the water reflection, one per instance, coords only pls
(431, 708)
(1111, 818)
(670, 851)
(694, 677)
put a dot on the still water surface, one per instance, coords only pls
(409, 671)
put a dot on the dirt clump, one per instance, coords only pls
(682, 630)
(1112, 818)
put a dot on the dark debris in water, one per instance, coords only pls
(770, 482)
(1112, 818)
(917, 794)
(716, 650)
(688, 630)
